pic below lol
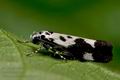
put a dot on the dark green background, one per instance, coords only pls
(96, 19)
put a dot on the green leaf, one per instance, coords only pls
(15, 65)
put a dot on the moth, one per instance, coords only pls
(74, 47)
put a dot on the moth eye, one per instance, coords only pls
(35, 40)
(42, 37)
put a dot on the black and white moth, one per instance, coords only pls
(68, 46)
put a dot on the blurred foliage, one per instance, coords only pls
(97, 19)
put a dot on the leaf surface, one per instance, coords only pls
(15, 65)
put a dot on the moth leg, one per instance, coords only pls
(34, 52)
(69, 55)
(47, 47)
(53, 50)
(61, 56)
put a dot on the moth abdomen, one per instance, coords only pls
(102, 51)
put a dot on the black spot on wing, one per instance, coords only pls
(100, 43)
(79, 48)
(79, 40)
(40, 32)
(47, 33)
(83, 45)
(69, 37)
(50, 32)
(62, 38)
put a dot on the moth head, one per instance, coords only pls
(38, 37)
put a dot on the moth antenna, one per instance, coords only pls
(26, 41)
